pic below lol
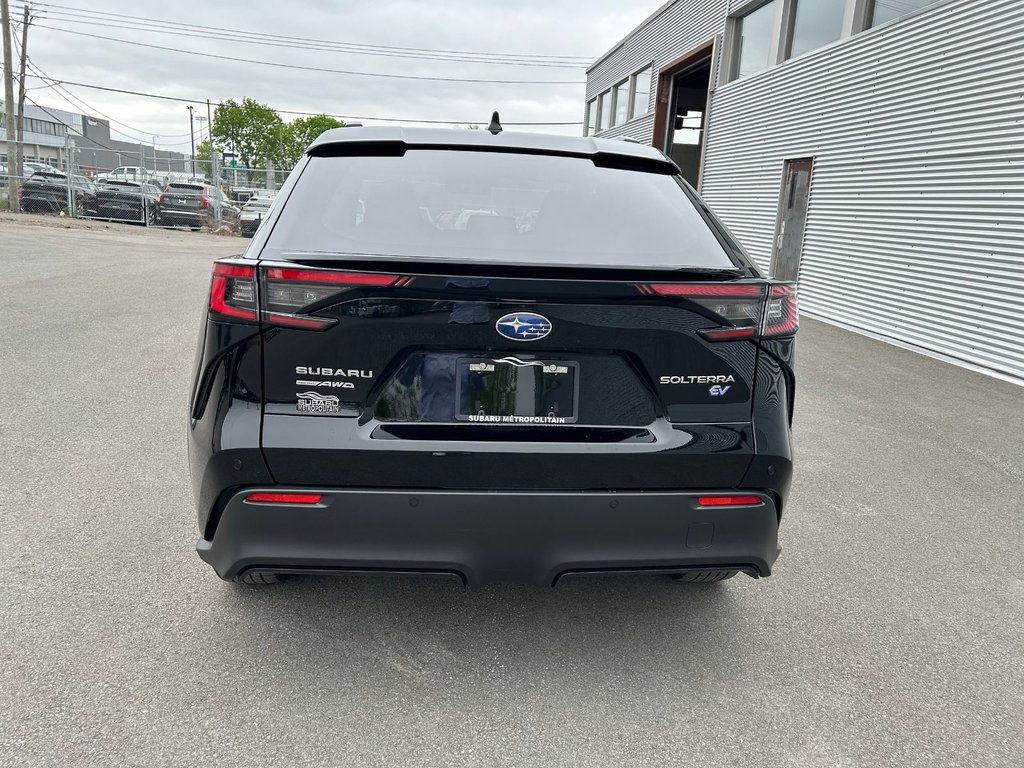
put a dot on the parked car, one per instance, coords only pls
(47, 191)
(27, 169)
(593, 378)
(196, 205)
(253, 213)
(123, 201)
(125, 173)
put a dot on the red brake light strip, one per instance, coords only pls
(695, 289)
(337, 278)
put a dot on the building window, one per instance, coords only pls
(887, 10)
(604, 111)
(591, 117)
(641, 93)
(621, 102)
(817, 23)
(755, 33)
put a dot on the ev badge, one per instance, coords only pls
(718, 390)
(523, 326)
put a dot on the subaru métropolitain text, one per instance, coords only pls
(500, 356)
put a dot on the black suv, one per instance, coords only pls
(47, 192)
(504, 357)
(195, 205)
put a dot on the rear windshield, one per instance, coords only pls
(186, 188)
(257, 204)
(486, 206)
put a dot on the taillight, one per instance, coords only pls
(233, 291)
(781, 316)
(204, 200)
(161, 200)
(737, 307)
(745, 311)
(289, 293)
(21, 191)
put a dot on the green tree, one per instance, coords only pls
(299, 134)
(253, 130)
(204, 163)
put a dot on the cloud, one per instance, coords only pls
(584, 28)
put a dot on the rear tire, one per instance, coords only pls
(703, 577)
(256, 578)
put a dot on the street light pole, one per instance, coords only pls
(192, 133)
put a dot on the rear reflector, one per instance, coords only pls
(729, 501)
(284, 498)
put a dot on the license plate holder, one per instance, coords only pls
(513, 391)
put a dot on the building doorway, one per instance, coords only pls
(792, 219)
(681, 110)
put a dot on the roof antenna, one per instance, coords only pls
(495, 126)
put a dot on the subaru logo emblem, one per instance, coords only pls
(523, 326)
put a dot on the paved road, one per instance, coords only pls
(891, 634)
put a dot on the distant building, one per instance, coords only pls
(871, 149)
(50, 131)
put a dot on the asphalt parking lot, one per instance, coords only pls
(890, 635)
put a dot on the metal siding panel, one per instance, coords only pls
(915, 228)
(666, 36)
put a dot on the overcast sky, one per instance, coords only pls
(575, 28)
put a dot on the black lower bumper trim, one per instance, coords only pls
(534, 537)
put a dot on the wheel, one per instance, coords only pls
(704, 577)
(256, 577)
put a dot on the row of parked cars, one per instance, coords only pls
(192, 204)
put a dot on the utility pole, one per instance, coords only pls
(26, 19)
(12, 146)
(214, 168)
(192, 132)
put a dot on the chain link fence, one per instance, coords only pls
(205, 195)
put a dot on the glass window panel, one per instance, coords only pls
(622, 102)
(641, 93)
(604, 102)
(755, 31)
(887, 10)
(591, 117)
(538, 209)
(817, 23)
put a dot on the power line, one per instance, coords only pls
(273, 41)
(295, 112)
(88, 109)
(355, 47)
(304, 68)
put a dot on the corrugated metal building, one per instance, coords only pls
(874, 148)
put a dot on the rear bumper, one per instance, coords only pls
(492, 536)
(183, 218)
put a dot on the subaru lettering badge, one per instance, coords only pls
(523, 326)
